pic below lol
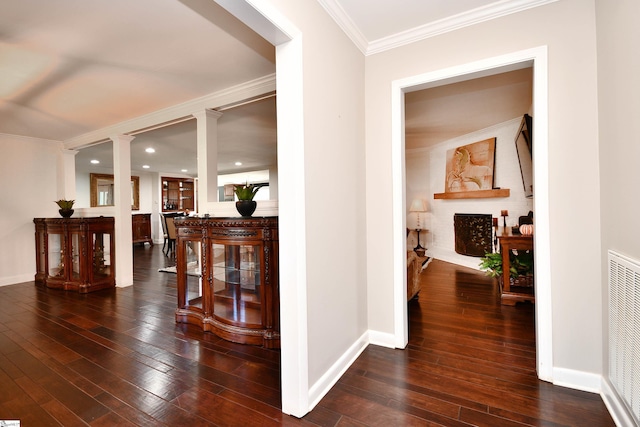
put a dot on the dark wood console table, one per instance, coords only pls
(512, 294)
(75, 253)
(227, 277)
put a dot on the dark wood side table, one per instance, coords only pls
(513, 294)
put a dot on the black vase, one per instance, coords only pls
(65, 213)
(246, 207)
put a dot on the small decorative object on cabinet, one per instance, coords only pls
(65, 206)
(75, 253)
(141, 225)
(526, 229)
(245, 205)
(246, 208)
(227, 276)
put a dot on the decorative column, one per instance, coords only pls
(122, 202)
(67, 174)
(207, 132)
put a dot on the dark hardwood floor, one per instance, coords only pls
(117, 357)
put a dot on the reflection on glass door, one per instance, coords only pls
(56, 255)
(74, 257)
(236, 284)
(193, 254)
(101, 263)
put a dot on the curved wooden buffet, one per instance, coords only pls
(228, 277)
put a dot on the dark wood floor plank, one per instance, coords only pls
(111, 420)
(117, 357)
(134, 415)
(221, 411)
(263, 408)
(28, 412)
(368, 412)
(398, 394)
(72, 397)
(65, 416)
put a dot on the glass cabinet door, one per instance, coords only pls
(193, 270)
(40, 256)
(74, 256)
(237, 284)
(101, 261)
(56, 255)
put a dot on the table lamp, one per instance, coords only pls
(418, 206)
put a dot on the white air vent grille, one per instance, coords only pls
(624, 329)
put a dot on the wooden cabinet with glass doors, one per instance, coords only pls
(178, 194)
(75, 253)
(228, 277)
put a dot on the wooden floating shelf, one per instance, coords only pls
(480, 194)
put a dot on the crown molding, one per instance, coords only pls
(475, 16)
(344, 21)
(180, 112)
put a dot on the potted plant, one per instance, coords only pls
(520, 264)
(65, 207)
(245, 193)
(491, 264)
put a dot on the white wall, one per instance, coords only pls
(28, 173)
(569, 33)
(321, 171)
(334, 178)
(440, 237)
(619, 108)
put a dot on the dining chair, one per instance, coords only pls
(163, 222)
(171, 235)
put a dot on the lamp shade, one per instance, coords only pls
(418, 205)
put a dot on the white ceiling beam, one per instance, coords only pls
(177, 113)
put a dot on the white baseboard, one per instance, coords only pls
(331, 377)
(616, 406)
(595, 383)
(578, 380)
(382, 339)
(21, 278)
(333, 374)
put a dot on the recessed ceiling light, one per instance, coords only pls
(150, 150)
(184, 170)
(95, 162)
(145, 166)
(238, 163)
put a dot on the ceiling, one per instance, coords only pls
(70, 67)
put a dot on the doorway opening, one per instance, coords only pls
(537, 59)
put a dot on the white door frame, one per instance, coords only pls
(267, 21)
(536, 57)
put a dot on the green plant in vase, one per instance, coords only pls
(245, 193)
(65, 207)
(65, 204)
